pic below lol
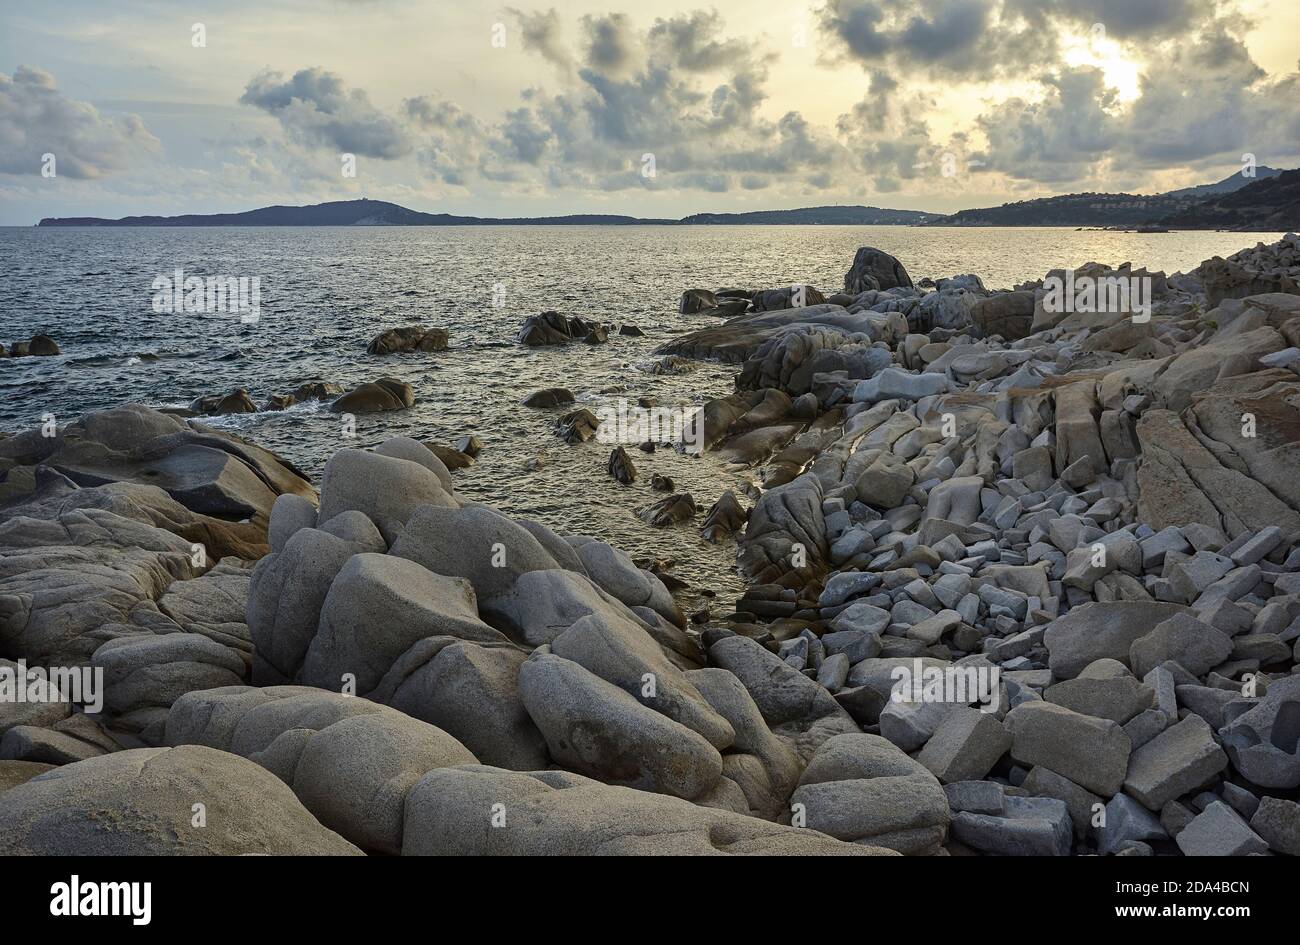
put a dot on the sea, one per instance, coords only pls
(324, 292)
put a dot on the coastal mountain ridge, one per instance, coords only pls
(1270, 200)
(850, 216)
(364, 212)
(1112, 210)
(1269, 204)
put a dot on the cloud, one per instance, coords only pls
(889, 140)
(542, 34)
(973, 39)
(315, 107)
(610, 46)
(600, 92)
(1122, 19)
(691, 41)
(37, 119)
(1058, 139)
(1208, 98)
(680, 90)
(1203, 102)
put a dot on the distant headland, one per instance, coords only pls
(1270, 200)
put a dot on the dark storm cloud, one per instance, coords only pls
(37, 119)
(316, 107)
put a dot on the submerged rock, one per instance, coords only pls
(695, 300)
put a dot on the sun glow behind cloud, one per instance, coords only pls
(1122, 72)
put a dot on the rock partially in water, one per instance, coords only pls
(666, 366)
(38, 346)
(317, 390)
(577, 426)
(552, 328)
(621, 467)
(215, 405)
(451, 457)
(408, 339)
(695, 300)
(211, 472)
(874, 269)
(671, 510)
(549, 397)
(725, 518)
(387, 393)
(470, 445)
(279, 402)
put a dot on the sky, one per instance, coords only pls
(650, 109)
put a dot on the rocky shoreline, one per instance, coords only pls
(1021, 582)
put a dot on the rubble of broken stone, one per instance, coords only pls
(1099, 509)
(1095, 515)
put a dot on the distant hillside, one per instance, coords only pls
(339, 213)
(1226, 186)
(1091, 209)
(843, 216)
(1269, 204)
(382, 213)
(1109, 210)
